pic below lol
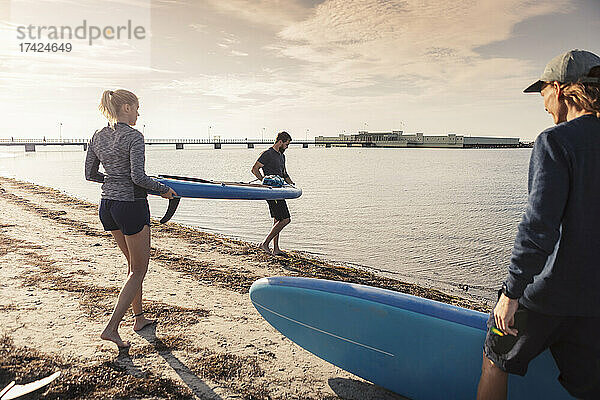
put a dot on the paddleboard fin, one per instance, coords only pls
(173, 204)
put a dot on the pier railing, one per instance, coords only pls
(42, 141)
(30, 144)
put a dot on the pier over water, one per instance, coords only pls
(342, 141)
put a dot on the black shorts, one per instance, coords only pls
(573, 342)
(129, 217)
(279, 209)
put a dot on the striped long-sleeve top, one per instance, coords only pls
(122, 154)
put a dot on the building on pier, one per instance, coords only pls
(400, 139)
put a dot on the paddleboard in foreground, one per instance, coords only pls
(418, 348)
(205, 189)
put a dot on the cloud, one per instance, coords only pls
(147, 4)
(228, 40)
(351, 44)
(180, 3)
(239, 89)
(341, 61)
(199, 27)
(352, 58)
(275, 13)
(355, 41)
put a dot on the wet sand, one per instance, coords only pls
(60, 275)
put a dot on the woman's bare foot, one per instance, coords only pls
(278, 252)
(114, 337)
(265, 248)
(142, 322)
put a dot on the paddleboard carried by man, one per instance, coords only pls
(550, 298)
(272, 162)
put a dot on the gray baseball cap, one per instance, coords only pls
(572, 66)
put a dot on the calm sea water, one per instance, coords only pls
(443, 218)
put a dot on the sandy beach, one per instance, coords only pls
(60, 275)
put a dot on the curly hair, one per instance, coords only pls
(583, 95)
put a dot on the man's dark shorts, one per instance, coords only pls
(573, 342)
(129, 217)
(279, 209)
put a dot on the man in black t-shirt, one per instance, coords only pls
(272, 162)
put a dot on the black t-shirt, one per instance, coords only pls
(273, 163)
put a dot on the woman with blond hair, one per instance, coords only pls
(124, 208)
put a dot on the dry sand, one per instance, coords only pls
(60, 275)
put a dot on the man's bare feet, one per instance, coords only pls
(142, 322)
(114, 337)
(265, 248)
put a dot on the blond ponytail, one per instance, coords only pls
(112, 101)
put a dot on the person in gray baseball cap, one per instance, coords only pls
(551, 295)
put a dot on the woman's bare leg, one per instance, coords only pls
(140, 320)
(139, 255)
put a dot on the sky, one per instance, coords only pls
(251, 68)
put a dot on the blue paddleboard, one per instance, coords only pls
(204, 189)
(418, 348)
(199, 188)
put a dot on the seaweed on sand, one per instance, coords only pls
(101, 380)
